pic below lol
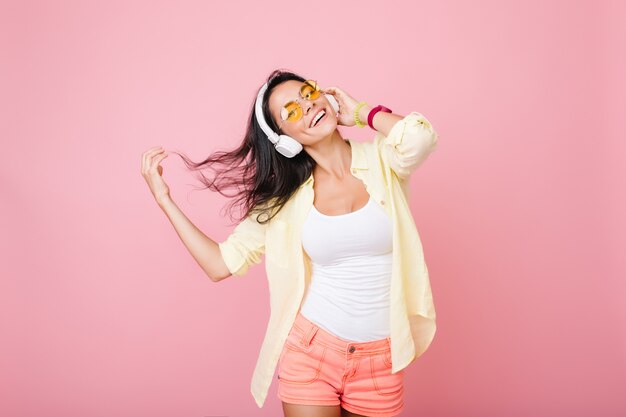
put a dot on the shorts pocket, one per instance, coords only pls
(300, 364)
(295, 340)
(384, 381)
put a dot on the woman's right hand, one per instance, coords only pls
(152, 171)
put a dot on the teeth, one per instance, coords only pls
(318, 117)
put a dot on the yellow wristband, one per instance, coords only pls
(358, 121)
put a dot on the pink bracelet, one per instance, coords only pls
(370, 116)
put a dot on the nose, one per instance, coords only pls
(306, 106)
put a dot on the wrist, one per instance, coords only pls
(163, 200)
(364, 112)
(372, 114)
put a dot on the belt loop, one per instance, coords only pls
(308, 335)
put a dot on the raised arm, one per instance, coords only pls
(403, 141)
(217, 260)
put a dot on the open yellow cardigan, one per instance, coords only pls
(384, 165)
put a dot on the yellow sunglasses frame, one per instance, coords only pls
(314, 95)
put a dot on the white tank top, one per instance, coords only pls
(351, 272)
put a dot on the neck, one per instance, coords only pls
(333, 156)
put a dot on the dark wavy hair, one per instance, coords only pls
(262, 179)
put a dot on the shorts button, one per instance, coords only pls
(352, 349)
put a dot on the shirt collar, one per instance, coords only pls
(359, 161)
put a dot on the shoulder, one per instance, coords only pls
(367, 154)
(363, 152)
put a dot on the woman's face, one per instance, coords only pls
(302, 130)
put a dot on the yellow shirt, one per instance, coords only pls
(384, 165)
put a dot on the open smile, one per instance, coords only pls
(319, 117)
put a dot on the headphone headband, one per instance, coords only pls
(258, 110)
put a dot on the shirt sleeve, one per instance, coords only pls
(245, 245)
(408, 144)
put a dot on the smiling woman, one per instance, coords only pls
(350, 298)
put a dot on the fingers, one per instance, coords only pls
(148, 153)
(157, 160)
(147, 157)
(151, 151)
(334, 90)
(157, 157)
(153, 148)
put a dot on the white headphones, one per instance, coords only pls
(284, 144)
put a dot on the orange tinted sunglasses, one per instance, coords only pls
(292, 111)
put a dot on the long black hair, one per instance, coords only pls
(263, 179)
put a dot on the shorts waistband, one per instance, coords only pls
(307, 331)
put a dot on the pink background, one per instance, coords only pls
(103, 312)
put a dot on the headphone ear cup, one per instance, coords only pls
(333, 102)
(288, 146)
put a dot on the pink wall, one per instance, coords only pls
(103, 312)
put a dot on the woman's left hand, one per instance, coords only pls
(347, 104)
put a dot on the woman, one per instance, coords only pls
(350, 298)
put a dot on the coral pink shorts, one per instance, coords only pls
(318, 368)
